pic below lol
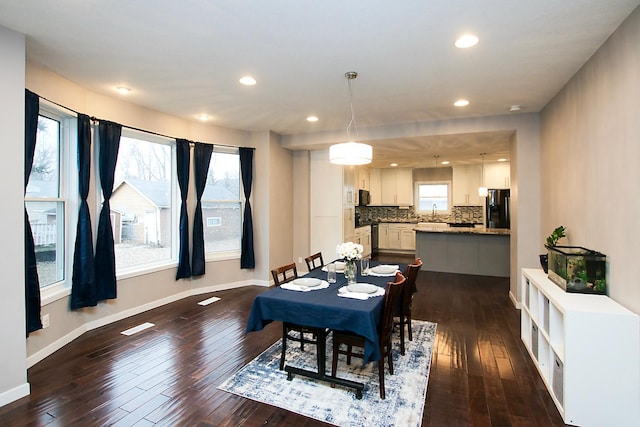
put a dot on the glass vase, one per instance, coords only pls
(350, 272)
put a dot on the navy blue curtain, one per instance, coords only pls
(183, 159)
(32, 282)
(105, 260)
(201, 159)
(83, 290)
(247, 257)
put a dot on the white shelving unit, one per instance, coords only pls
(587, 350)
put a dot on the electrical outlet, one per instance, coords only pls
(299, 260)
(45, 321)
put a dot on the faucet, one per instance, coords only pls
(435, 208)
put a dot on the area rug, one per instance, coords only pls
(406, 390)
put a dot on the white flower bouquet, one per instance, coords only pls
(349, 251)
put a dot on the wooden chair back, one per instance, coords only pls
(284, 274)
(393, 292)
(314, 261)
(411, 273)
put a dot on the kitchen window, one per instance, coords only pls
(433, 197)
(222, 204)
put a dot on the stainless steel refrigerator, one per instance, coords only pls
(498, 209)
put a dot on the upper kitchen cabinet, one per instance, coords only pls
(466, 181)
(497, 175)
(363, 178)
(396, 187)
(375, 185)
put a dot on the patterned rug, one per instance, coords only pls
(405, 390)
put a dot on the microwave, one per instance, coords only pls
(364, 197)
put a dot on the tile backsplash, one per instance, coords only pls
(368, 214)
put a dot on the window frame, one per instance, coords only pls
(68, 195)
(164, 264)
(233, 253)
(430, 211)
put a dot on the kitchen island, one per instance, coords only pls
(464, 250)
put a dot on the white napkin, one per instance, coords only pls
(341, 271)
(393, 273)
(343, 292)
(293, 287)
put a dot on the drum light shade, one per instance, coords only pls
(350, 153)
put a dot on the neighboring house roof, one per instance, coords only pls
(157, 192)
(218, 192)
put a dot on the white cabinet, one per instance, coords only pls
(397, 236)
(375, 187)
(497, 175)
(363, 237)
(363, 178)
(383, 236)
(466, 181)
(586, 349)
(396, 187)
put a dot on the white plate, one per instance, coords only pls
(362, 288)
(309, 282)
(384, 269)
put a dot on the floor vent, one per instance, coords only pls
(209, 301)
(137, 329)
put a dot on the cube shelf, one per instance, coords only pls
(586, 349)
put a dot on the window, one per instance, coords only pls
(47, 196)
(433, 196)
(144, 200)
(221, 203)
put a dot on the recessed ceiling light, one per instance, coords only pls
(514, 108)
(312, 119)
(248, 81)
(203, 117)
(468, 40)
(461, 103)
(393, 165)
(502, 160)
(123, 90)
(445, 162)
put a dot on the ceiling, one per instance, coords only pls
(185, 58)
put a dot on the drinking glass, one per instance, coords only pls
(331, 273)
(364, 266)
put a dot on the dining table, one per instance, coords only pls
(326, 308)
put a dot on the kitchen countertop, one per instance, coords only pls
(425, 228)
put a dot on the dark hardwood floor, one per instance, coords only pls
(167, 375)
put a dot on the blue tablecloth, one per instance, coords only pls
(323, 309)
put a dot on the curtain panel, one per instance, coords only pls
(201, 160)
(183, 159)
(105, 259)
(32, 282)
(247, 256)
(83, 289)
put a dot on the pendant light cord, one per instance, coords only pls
(352, 119)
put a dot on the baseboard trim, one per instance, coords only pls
(14, 394)
(66, 339)
(514, 301)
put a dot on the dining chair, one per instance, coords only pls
(291, 331)
(392, 294)
(314, 261)
(403, 307)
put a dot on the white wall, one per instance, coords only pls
(590, 154)
(13, 374)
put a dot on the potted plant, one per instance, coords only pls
(552, 241)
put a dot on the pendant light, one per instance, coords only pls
(482, 190)
(351, 152)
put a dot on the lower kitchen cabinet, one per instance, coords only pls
(363, 237)
(586, 349)
(401, 237)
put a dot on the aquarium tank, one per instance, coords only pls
(578, 269)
